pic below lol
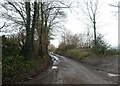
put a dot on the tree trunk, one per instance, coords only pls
(94, 23)
(34, 21)
(95, 42)
(46, 35)
(27, 48)
(41, 44)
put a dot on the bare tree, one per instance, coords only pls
(91, 11)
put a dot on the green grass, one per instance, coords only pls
(80, 54)
(77, 53)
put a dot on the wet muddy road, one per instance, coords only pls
(68, 71)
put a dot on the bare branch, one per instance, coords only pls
(2, 26)
(18, 11)
(114, 5)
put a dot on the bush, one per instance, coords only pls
(15, 68)
(101, 46)
(9, 48)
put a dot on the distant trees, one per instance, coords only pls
(70, 40)
(73, 41)
(80, 41)
(51, 48)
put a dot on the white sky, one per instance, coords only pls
(107, 19)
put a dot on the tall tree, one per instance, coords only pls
(27, 49)
(91, 11)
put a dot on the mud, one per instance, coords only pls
(69, 71)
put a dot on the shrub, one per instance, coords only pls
(9, 47)
(101, 46)
(16, 68)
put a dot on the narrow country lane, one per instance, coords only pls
(69, 71)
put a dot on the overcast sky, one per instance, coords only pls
(108, 22)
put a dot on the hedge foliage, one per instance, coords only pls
(16, 68)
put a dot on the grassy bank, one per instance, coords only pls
(16, 69)
(80, 54)
(77, 54)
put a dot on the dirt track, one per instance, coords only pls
(72, 72)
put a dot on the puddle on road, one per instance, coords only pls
(29, 78)
(113, 75)
(54, 67)
(56, 61)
